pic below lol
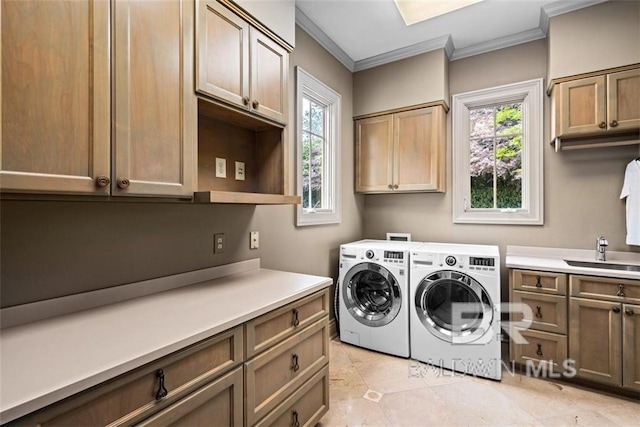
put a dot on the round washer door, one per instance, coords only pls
(453, 306)
(371, 294)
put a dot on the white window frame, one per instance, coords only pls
(310, 87)
(531, 94)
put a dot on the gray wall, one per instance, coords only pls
(582, 187)
(55, 248)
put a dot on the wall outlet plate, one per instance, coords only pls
(240, 171)
(218, 243)
(254, 240)
(221, 168)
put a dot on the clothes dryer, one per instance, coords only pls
(373, 289)
(455, 313)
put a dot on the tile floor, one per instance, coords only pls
(373, 389)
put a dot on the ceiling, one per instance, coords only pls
(366, 33)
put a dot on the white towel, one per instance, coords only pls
(631, 190)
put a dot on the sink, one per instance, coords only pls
(607, 265)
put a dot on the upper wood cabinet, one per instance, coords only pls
(238, 64)
(76, 119)
(597, 106)
(401, 152)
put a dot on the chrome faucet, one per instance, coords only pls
(601, 248)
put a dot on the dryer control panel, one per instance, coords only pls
(393, 256)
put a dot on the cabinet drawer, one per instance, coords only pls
(607, 288)
(541, 347)
(305, 407)
(274, 374)
(539, 281)
(273, 327)
(549, 311)
(218, 403)
(131, 397)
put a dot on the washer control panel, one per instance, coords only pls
(369, 254)
(450, 260)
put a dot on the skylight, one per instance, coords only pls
(414, 11)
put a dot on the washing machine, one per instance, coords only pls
(373, 288)
(455, 308)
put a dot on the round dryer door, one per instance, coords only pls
(371, 294)
(453, 306)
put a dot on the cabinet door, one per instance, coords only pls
(595, 340)
(55, 96)
(222, 53)
(623, 100)
(582, 107)
(216, 404)
(631, 346)
(418, 147)
(269, 77)
(374, 154)
(155, 108)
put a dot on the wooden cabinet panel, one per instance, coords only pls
(631, 346)
(374, 154)
(539, 281)
(273, 327)
(155, 109)
(594, 339)
(269, 77)
(613, 289)
(222, 34)
(274, 374)
(541, 347)
(623, 99)
(55, 93)
(583, 106)
(216, 404)
(305, 407)
(549, 311)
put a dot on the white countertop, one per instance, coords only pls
(45, 361)
(553, 259)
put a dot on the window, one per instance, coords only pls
(497, 155)
(317, 154)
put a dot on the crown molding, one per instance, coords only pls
(443, 42)
(499, 43)
(324, 40)
(561, 7)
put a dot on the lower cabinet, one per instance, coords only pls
(214, 383)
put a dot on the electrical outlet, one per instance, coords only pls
(240, 171)
(221, 168)
(254, 240)
(218, 243)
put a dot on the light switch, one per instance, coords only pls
(221, 168)
(240, 171)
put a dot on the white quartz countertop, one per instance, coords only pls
(44, 361)
(553, 259)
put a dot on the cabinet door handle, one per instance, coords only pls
(614, 123)
(539, 350)
(102, 181)
(162, 391)
(296, 320)
(255, 103)
(395, 186)
(620, 292)
(390, 187)
(629, 312)
(538, 284)
(245, 100)
(294, 419)
(123, 182)
(616, 309)
(294, 362)
(538, 312)
(602, 125)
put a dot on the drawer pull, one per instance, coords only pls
(539, 350)
(294, 416)
(538, 284)
(538, 312)
(629, 312)
(296, 320)
(294, 362)
(616, 309)
(620, 290)
(162, 391)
